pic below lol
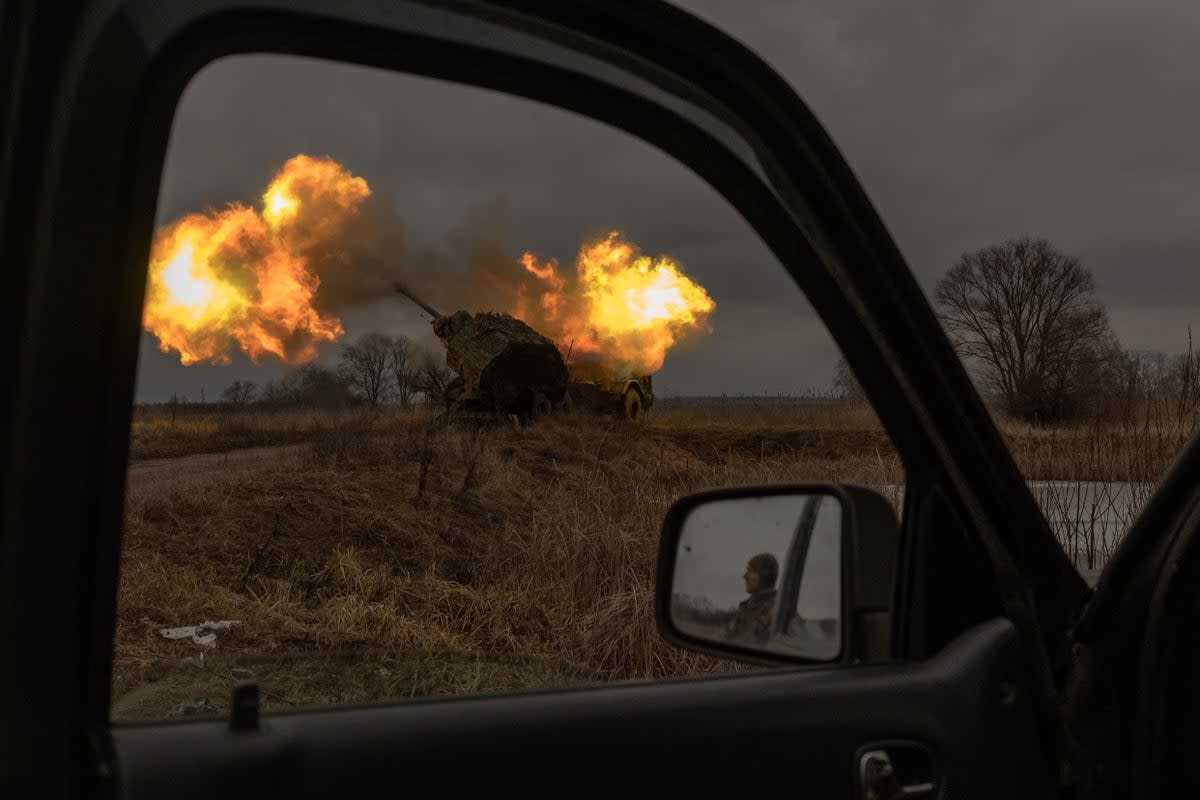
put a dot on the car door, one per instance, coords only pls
(983, 594)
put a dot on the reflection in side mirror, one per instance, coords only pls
(780, 574)
(762, 573)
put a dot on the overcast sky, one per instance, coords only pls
(1071, 121)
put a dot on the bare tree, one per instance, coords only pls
(365, 366)
(1025, 313)
(1182, 380)
(239, 393)
(404, 371)
(1133, 378)
(432, 378)
(315, 386)
(310, 386)
(276, 394)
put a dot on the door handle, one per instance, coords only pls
(878, 779)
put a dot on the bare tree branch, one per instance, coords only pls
(432, 378)
(404, 371)
(1025, 312)
(239, 393)
(365, 365)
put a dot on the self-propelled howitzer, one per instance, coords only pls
(502, 365)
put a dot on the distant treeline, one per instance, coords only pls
(1025, 320)
(1022, 315)
(374, 371)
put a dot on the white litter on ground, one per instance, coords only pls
(194, 631)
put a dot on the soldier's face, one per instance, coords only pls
(753, 582)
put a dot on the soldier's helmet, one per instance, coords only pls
(767, 568)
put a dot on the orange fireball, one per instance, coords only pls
(239, 279)
(624, 309)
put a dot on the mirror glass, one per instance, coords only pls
(763, 573)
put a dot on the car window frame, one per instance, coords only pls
(814, 211)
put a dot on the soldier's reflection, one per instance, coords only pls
(751, 624)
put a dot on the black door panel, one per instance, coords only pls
(789, 732)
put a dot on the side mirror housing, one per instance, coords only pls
(798, 573)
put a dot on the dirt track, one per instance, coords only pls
(155, 475)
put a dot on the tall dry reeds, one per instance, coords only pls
(419, 537)
(447, 558)
(1093, 478)
(160, 434)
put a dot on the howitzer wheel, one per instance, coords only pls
(540, 405)
(536, 405)
(633, 405)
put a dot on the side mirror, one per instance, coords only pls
(779, 574)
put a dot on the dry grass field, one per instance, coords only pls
(405, 557)
(161, 434)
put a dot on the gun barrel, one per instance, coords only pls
(402, 289)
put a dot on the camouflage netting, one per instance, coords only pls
(500, 357)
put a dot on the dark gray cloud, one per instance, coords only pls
(967, 124)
